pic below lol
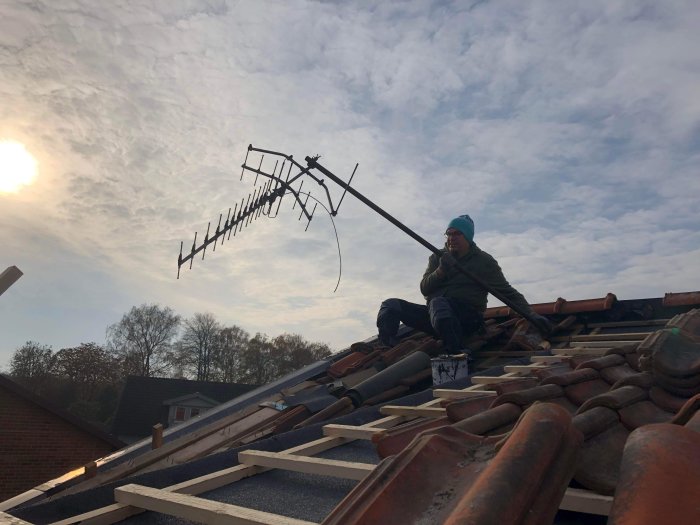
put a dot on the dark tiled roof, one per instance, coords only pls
(16, 388)
(141, 402)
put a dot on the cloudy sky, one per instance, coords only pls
(569, 131)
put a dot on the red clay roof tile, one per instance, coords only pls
(659, 477)
(616, 399)
(392, 441)
(527, 397)
(598, 363)
(615, 374)
(464, 408)
(685, 412)
(573, 377)
(643, 413)
(599, 463)
(579, 393)
(490, 420)
(541, 451)
(665, 400)
(681, 299)
(595, 421)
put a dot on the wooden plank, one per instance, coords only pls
(393, 410)
(247, 416)
(9, 277)
(522, 369)
(625, 324)
(197, 509)
(19, 499)
(102, 516)
(550, 359)
(579, 500)
(351, 431)
(507, 353)
(306, 464)
(113, 513)
(491, 380)
(446, 393)
(579, 351)
(629, 336)
(601, 344)
(8, 519)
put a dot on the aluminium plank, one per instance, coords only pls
(198, 509)
(306, 464)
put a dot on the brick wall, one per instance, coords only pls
(36, 445)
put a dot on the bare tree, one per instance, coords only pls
(32, 364)
(226, 356)
(259, 361)
(89, 366)
(297, 352)
(143, 338)
(199, 340)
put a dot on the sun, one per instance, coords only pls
(17, 166)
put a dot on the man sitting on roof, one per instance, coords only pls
(455, 303)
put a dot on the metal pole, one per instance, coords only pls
(313, 163)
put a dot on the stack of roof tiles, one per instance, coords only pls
(606, 399)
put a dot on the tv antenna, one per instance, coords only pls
(279, 183)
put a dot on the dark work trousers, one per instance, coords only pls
(446, 318)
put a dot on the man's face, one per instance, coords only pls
(457, 243)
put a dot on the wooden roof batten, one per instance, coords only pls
(299, 459)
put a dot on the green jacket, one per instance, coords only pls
(457, 285)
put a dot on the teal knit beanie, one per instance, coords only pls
(464, 224)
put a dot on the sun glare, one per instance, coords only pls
(17, 167)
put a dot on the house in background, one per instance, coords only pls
(39, 441)
(147, 401)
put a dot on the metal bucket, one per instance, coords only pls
(448, 368)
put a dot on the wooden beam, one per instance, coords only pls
(601, 344)
(392, 410)
(157, 436)
(579, 500)
(9, 277)
(446, 393)
(197, 509)
(306, 464)
(629, 336)
(351, 431)
(490, 380)
(19, 499)
(522, 369)
(9, 519)
(550, 359)
(117, 512)
(579, 351)
(624, 324)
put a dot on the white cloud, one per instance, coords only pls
(568, 130)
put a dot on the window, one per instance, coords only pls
(194, 412)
